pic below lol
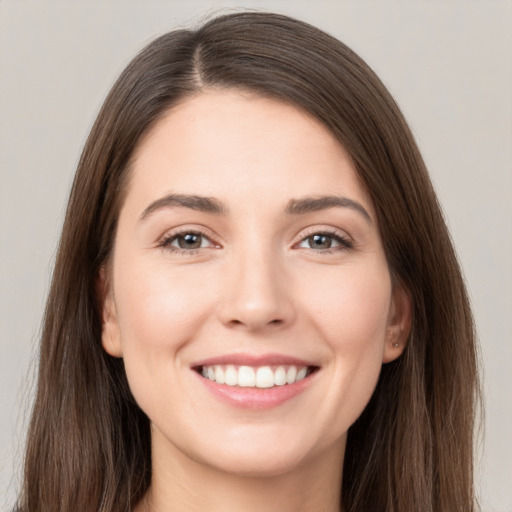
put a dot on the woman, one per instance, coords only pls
(256, 303)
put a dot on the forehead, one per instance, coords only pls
(232, 143)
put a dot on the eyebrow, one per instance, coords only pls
(294, 206)
(199, 203)
(315, 204)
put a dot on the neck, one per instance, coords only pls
(181, 484)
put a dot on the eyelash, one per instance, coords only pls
(336, 236)
(344, 242)
(166, 242)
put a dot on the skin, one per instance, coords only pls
(257, 285)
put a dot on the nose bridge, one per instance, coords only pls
(256, 293)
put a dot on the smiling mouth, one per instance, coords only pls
(262, 377)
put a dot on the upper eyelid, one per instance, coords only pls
(341, 241)
(183, 230)
(325, 230)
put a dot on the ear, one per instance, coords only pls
(399, 323)
(110, 335)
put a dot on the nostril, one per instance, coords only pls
(236, 322)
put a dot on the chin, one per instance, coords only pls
(271, 463)
(263, 453)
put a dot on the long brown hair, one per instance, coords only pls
(412, 449)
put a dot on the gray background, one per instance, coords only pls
(449, 65)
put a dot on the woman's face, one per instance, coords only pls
(250, 296)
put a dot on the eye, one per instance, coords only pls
(325, 242)
(186, 242)
(189, 241)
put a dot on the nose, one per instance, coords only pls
(257, 294)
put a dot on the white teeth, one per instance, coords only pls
(291, 374)
(249, 377)
(246, 377)
(231, 376)
(280, 376)
(220, 376)
(264, 377)
(301, 374)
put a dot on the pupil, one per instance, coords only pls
(320, 241)
(189, 241)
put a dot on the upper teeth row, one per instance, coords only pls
(260, 377)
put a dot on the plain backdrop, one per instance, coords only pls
(448, 64)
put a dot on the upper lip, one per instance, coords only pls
(253, 360)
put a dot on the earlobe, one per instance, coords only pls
(110, 338)
(399, 324)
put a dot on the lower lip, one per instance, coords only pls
(256, 398)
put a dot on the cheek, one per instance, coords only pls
(352, 318)
(159, 309)
(352, 310)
